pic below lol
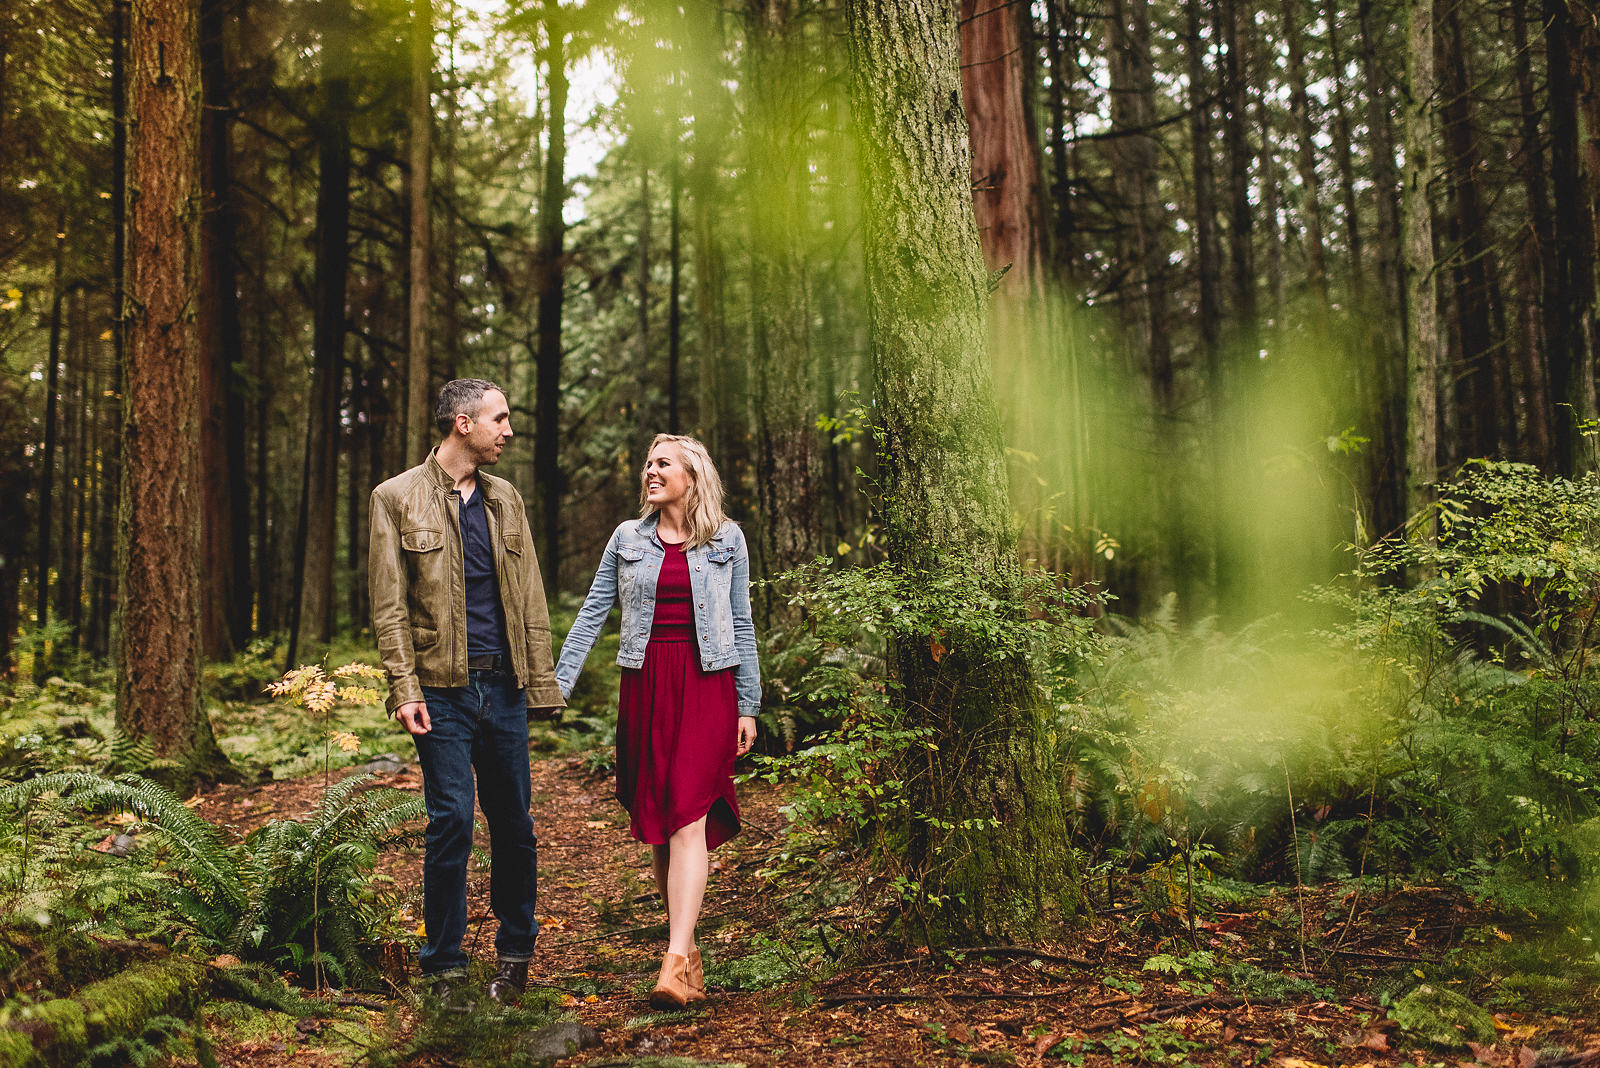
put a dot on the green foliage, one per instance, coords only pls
(296, 894)
(1442, 1017)
(853, 803)
(772, 963)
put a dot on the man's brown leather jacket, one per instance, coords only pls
(418, 586)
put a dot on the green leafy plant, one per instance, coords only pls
(298, 894)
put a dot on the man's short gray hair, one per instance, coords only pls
(461, 396)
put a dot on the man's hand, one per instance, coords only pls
(413, 717)
(747, 734)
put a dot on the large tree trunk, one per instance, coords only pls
(1389, 337)
(788, 462)
(158, 682)
(1536, 281)
(1007, 201)
(1306, 156)
(944, 477)
(47, 458)
(1142, 249)
(1567, 326)
(225, 573)
(1344, 157)
(318, 506)
(418, 421)
(551, 282)
(1422, 334)
(1208, 266)
(1480, 382)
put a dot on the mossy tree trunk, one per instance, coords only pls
(158, 678)
(946, 504)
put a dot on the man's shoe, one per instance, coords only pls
(445, 992)
(672, 988)
(510, 980)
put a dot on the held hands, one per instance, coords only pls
(413, 716)
(747, 734)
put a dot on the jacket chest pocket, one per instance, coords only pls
(420, 541)
(720, 571)
(630, 568)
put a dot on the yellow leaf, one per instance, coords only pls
(422, 929)
(596, 825)
(14, 294)
(590, 1000)
(844, 548)
(104, 195)
(106, 336)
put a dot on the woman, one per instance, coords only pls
(690, 685)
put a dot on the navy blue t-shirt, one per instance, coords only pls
(486, 624)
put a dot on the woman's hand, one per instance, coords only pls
(747, 734)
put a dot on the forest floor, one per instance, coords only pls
(1130, 987)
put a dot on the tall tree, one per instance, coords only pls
(225, 537)
(944, 475)
(318, 536)
(788, 461)
(551, 285)
(1422, 335)
(47, 458)
(418, 416)
(1306, 154)
(158, 681)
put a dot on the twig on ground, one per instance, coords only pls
(1025, 951)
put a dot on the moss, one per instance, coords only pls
(1442, 1018)
(61, 1030)
(121, 1005)
(16, 1050)
(56, 1030)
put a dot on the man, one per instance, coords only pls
(458, 610)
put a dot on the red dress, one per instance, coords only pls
(677, 725)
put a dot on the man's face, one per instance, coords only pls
(488, 431)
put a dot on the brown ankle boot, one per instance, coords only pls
(697, 976)
(672, 989)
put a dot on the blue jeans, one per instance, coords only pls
(482, 727)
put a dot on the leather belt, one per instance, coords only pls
(495, 663)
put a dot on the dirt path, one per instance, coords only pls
(1087, 1002)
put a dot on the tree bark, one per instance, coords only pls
(1306, 156)
(47, 458)
(1569, 352)
(158, 682)
(551, 281)
(946, 504)
(675, 293)
(1388, 369)
(1536, 259)
(788, 471)
(1480, 382)
(418, 422)
(1344, 156)
(319, 508)
(1422, 335)
(225, 574)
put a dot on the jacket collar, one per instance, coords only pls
(488, 485)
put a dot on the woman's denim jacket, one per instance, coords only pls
(719, 579)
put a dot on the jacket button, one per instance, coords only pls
(702, 604)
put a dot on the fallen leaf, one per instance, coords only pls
(596, 825)
(1527, 1057)
(1488, 1054)
(1296, 1062)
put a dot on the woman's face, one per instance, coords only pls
(666, 480)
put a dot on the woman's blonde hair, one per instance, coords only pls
(703, 503)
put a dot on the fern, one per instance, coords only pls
(293, 893)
